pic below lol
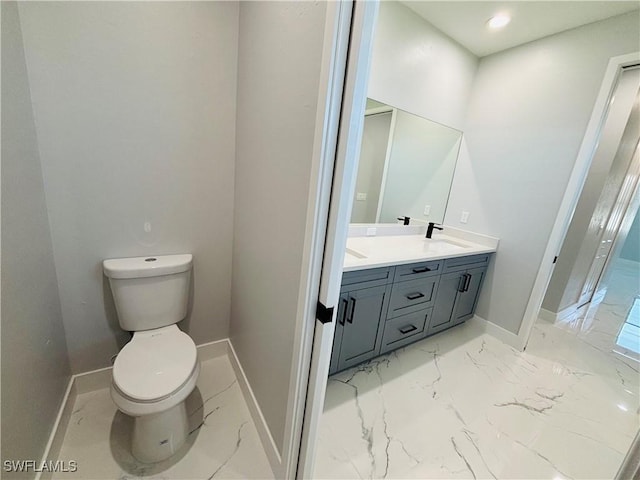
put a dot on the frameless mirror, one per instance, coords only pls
(406, 167)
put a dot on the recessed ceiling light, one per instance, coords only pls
(498, 21)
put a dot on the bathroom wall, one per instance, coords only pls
(417, 68)
(526, 120)
(280, 53)
(35, 366)
(134, 105)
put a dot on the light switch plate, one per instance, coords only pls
(427, 209)
(464, 218)
(361, 197)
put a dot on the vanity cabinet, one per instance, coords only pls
(382, 309)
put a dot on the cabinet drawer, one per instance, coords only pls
(417, 270)
(411, 296)
(463, 263)
(404, 330)
(371, 277)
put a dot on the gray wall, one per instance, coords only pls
(134, 106)
(35, 366)
(527, 116)
(434, 80)
(278, 79)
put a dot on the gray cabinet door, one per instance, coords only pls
(361, 333)
(468, 297)
(442, 316)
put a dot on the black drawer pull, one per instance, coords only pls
(467, 282)
(344, 311)
(353, 307)
(407, 329)
(414, 296)
(462, 282)
(421, 269)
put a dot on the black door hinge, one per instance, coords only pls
(555, 259)
(324, 314)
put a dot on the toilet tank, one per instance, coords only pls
(149, 292)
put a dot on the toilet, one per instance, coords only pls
(157, 370)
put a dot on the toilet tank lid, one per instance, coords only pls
(151, 266)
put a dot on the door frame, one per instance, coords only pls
(332, 181)
(572, 193)
(624, 198)
(331, 84)
(631, 209)
(337, 170)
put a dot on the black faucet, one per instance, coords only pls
(405, 220)
(430, 229)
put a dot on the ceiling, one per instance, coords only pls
(465, 21)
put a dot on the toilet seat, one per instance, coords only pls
(155, 364)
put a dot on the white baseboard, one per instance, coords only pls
(498, 332)
(547, 315)
(97, 380)
(93, 380)
(555, 317)
(54, 445)
(218, 348)
(264, 432)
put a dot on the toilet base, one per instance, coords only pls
(158, 436)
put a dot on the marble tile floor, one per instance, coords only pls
(223, 442)
(462, 404)
(601, 322)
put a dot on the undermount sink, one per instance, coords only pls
(355, 253)
(446, 242)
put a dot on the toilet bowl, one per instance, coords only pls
(157, 370)
(152, 377)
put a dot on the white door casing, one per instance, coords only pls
(331, 84)
(344, 172)
(614, 199)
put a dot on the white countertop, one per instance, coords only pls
(386, 250)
